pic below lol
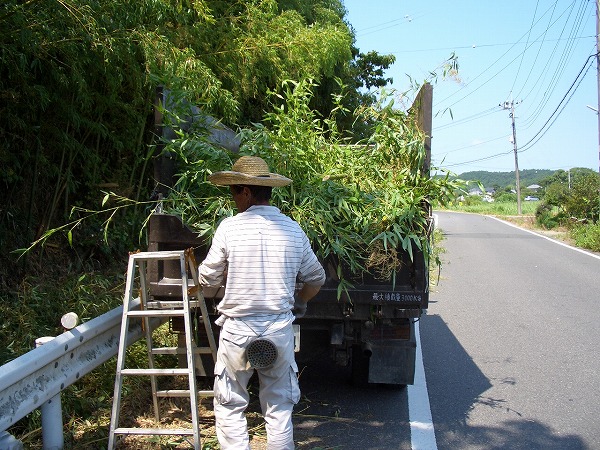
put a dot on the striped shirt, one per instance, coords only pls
(264, 252)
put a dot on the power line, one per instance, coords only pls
(561, 66)
(387, 25)
(494, 63)
(470, 118)
(477, 46)
(543, 130)
(485, 158)
(537, 54)
(526, 44)
(474, 145)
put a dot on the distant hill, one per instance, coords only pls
(504, 179)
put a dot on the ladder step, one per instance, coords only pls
(180, 351)
(166, 304)
(161, 255)
(183, 393)
(155, 372)
(156, 312)
(159, 431)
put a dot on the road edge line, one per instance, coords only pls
(422, 432)
(577, 249)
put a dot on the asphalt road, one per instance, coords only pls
(510, 341)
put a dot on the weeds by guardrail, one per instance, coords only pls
(32, 379)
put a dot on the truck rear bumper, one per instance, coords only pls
(379, 353)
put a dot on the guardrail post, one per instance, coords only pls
(52, 424)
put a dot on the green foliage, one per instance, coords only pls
(570, 198)
(254, 46)
(587, 236)
(565, 177)
(353, 201)
(78, 79)
(506, 197)
(472, 200)
(556, 194)
(496, 208)
(94, 65)
(35, 308)
(371, 69)
(77, 86)
(548, 216)
(583, 200)
(350, 82)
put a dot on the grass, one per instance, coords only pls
(435, 265)
(587, 236)
(495, 208)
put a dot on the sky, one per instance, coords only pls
(536, 55)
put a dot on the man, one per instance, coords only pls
(263, 253)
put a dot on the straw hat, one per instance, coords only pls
(250, 170)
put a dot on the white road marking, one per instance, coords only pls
(548, 238)
(422, 433)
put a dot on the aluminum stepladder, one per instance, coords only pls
(163, 310)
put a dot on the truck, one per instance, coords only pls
(369, 326)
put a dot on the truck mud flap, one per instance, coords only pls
(391, 361)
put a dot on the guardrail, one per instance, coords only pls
(37, 377)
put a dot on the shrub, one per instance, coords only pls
(545, 217)
(583, 199)
(471, 200)
(506, 197)
(587, 236)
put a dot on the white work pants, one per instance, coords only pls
(278, 391)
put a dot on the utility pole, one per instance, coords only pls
(598, 72)
(511, 106)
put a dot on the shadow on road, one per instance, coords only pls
(456, 386)
(334, 414)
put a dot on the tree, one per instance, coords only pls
(556, 194)
(583, 200)
(77, 81)
(576, 195)
(254, 46)
(565, 177)
(364, 78)
(371, 67)
(347, 83)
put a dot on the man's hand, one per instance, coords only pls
(299, 307)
